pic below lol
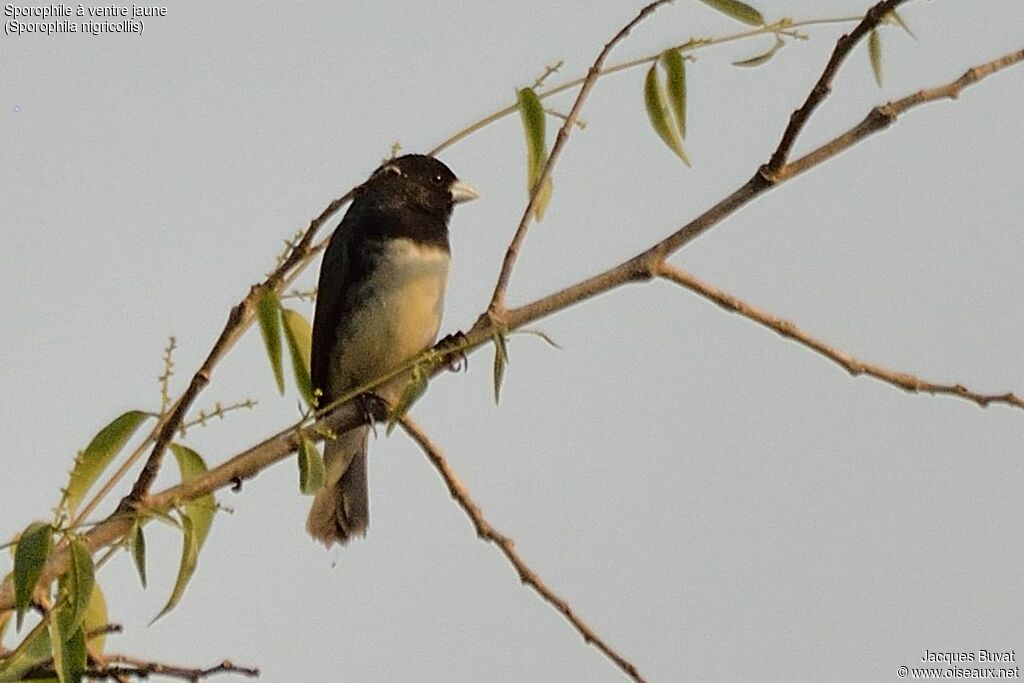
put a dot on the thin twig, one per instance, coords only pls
(165, 377)
(823, 87)
(645, 265)
(497, 305)
(883, 116)
(487, 532)
(781, 26)
(852, 365)
(121, 666)
(239, 319)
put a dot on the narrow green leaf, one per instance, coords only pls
(68, 641)
(196, 518)
(675, 83)
(311, 467)
(413, 389)
(57, 638)
(893, 17)
(164, 517)
(500, 361)
(187, 567)
(739, 11)
(543, 335)
(39, 650)
(34, 547)
(5, 616)
(299, 335)
(758, 60)
(540, 206)
(137, 547)
(91, 462)
(657, 111)
(875, 53)
(268, 311)
(96, 617)
(75, 657)
(202, 509)
(77, 584)
(531, 111)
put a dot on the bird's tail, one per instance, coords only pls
(341, 507)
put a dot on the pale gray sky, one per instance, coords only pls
(718, 503)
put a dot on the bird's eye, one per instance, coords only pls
(437, 179)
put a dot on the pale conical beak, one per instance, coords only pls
(462, 192)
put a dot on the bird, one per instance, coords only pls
(379, 302)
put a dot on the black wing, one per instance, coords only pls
(334, 280)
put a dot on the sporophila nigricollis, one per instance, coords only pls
(379, 302)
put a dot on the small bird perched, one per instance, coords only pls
(379, 302)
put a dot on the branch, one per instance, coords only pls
(239, 319)
(488, 533)
(785, 26)
(497, 305)
(124, 666)
(823, 87)
(644, 266)
(852, 365)
(883, 116)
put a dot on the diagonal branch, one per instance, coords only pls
(497, 305)
(239, 319)
(488, 533)
(855, 367)
(823, 86)
(641, 267)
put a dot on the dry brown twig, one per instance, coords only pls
(497, 306)
(644, 266)
(124, 667)
(852, 365)
(639, 268)
(488, 533)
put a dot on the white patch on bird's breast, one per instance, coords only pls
(400, 312)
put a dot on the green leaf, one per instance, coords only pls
(758, 60)
(893, 17)
(5, 616)
(202, 509)
(96, 617)
(413, 389)
(38, 651)
(137, 547)
(311, 467)
(189, 558)
(675, 81)
(739, 11)
(500, 361)
(77, 585)
(33, 548)
(299, 335)
(196, 518)
(543, 199)
(268, 311)
(75, 658)
(534, 126)
(875, 53)
(657, 111)
(91, 462)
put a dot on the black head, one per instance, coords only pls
(418, 183)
